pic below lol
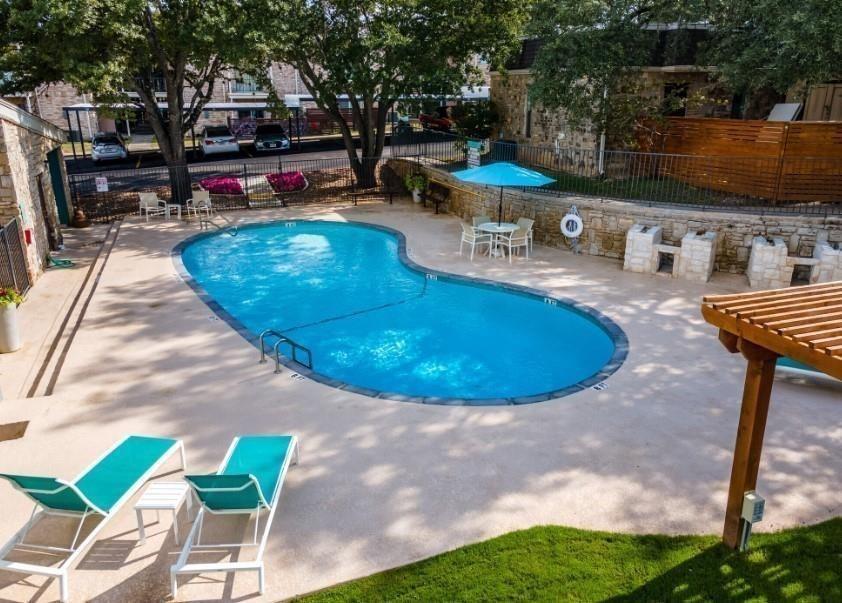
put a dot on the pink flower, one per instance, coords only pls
(284, 182)
(222, 185)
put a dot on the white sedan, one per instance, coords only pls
(218, 139)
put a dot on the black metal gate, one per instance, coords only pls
(13, 272)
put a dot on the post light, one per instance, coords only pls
(753, 507)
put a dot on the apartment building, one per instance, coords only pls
(48, 102)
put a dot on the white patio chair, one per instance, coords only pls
(514, 241)
(200, 203)
(472, 237)
(477, 220)
(526, 224)
(151, 205)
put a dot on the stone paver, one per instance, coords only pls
(382, 483)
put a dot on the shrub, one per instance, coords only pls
(10, 297)
(415, 182)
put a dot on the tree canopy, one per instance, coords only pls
(112, 47)
(776, 43)
(367, 54)
(592, 51)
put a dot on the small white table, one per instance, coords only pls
(495, 230)
(162, 496)
(173, 206)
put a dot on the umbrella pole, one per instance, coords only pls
(500, 208)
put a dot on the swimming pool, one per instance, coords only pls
(381, 325)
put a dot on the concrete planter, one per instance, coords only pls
(9, 330)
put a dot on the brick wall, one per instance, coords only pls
(23, 155)
(606, 221)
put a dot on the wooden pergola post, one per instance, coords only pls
(757, 391)
(801, 323)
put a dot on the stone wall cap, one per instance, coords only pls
(23, 119)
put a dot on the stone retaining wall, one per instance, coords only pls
(606, 221)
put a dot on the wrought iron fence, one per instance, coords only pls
(104, 196)
(745, 184)
(13, 272)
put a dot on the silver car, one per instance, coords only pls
(108, 145)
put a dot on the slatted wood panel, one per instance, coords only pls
(779, 161)
(802, 323)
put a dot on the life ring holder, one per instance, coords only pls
(572, 227)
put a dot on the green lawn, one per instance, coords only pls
(563, 564)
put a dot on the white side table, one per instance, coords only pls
(173, 207)
(162, 496)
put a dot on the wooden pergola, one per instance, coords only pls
(801, 323)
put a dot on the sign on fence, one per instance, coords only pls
(101, 184)
(474, 148)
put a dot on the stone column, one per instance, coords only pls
(768, 267)
(641, 248)
(698, 253)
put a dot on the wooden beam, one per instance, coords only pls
(729, 340)
(760, 374)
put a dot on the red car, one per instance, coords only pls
(439, 120)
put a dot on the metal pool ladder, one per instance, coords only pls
(276, 350)
(230, 229)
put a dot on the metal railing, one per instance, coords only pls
(13, 268)
(744, 184)
(105, 196)
(281, 339)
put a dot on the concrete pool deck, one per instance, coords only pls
(382, 483)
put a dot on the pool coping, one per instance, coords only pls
(618, 336)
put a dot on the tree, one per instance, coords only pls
(112, 47)
(590, 59)
(775, 44)
(367, 54)
(477, 119)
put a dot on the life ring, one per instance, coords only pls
(572, 226)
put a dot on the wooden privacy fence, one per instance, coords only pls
(779, 161)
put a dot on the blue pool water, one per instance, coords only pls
(374, 322)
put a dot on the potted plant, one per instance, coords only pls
(9, 329)
(416, 183)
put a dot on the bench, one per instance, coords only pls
(437, 193)
(390, 185)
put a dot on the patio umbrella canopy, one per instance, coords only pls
(503, 174)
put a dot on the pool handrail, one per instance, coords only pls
(276, 351)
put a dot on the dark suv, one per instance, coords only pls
(270, 137)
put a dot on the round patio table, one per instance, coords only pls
(495, 230)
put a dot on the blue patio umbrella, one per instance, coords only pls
(503, 174)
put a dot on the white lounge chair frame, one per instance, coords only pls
(61, 570)
(151, 205)
(181, 566)
(514, 240)
(200, 203)
(474, 238)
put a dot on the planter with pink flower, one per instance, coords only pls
(10, 340)
(287, 182)
(222, 185)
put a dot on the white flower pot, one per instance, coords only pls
(9, 330)
(416, 195)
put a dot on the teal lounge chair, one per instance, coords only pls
(99, 491)
(788, 366)
(249, 481)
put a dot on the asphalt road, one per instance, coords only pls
(309, 149)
